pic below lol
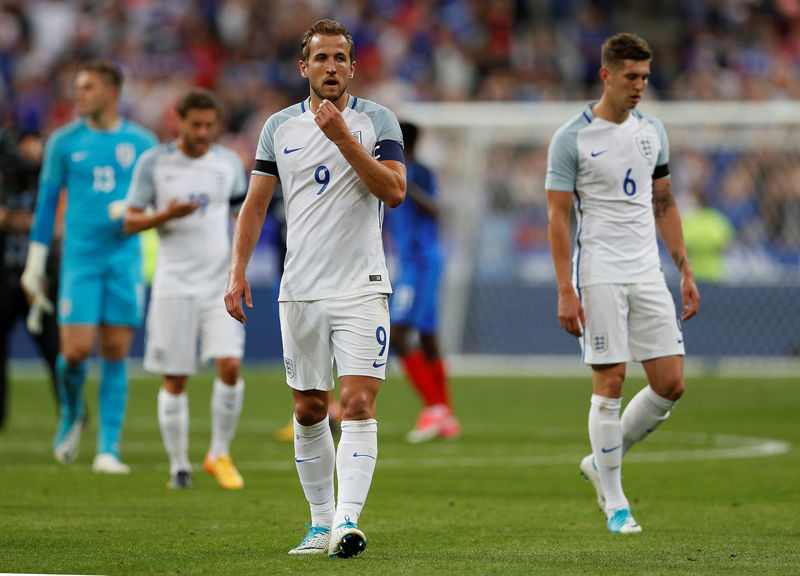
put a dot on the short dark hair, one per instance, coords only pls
(107, 69)
(326, 28)
(410, 133)
(197, 98)
(624, 46)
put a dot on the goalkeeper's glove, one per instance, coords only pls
(116, 212)
(34, 279)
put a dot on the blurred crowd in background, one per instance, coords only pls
(417, 50)
(426, 50)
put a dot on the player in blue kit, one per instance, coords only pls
(101, 285)
(414, 304)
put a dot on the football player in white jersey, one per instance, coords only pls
(339, 159)
(611, 163)
(192, 186)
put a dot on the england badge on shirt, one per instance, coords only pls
(126, 154)
(646, 147)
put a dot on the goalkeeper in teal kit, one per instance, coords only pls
(101, 295)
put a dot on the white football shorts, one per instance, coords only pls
(627, 322)
(351, 330)
(174, 326)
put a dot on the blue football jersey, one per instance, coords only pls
(96, 168)
(415, 233)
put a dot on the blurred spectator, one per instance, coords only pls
(781, 205)
(448, 50)
(707, 233)
(739, 201)
(20, 161)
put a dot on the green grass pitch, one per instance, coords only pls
(716, 488)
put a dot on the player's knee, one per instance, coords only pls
(676, 390)
(228, 370)
(75, 353)
(175, 384)
(310, 410)
(610, 386)
(358, 406)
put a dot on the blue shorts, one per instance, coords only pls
(414, 301)
(108, 290)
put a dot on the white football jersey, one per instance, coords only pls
(334, 245)
(194, 251)
(610, 169)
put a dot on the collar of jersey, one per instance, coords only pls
(351, 103)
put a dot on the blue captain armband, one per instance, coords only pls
(389, 150)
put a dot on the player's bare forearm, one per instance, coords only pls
(669, 226)
(250, 221)
(559, 205)
(668, 221)
(245, 236)
(570, 310)
(137, 220)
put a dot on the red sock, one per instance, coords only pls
(416, 366)
(442, 386)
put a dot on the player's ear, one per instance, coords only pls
(352, 69)
(604, 73)
(303, 69)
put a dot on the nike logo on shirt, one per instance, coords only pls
(595, 154)
(287, 150)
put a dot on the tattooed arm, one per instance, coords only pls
(668, 221)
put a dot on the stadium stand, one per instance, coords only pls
(412, 54)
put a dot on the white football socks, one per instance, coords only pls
(315, 458)
(605, 434)
(643, 414)
(355, 463)
(173, 420)
(226, 405)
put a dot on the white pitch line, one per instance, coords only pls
(729, 447)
